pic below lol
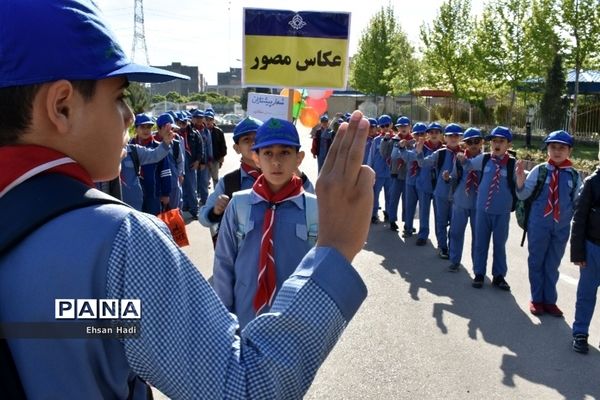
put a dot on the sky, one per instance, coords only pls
(208, 33)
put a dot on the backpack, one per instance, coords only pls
(510, 176)
(135, 158)
(440, 162)
(233, 182)
(241, 204)
(26, 211)
(523, 207)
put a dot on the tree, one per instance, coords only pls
(138, 98)
(403, 73)
(543, 42)
(374, 48)
(158, 98)
(175, 97)
(501, 45)
(581, 21)
(447, 46)
(553, 106)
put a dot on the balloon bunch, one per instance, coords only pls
(310, 108)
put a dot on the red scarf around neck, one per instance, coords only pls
(552, 205)
(21, 162)
(472, 182)
(267, 279)
(431, 146)
(495, 185)
(250, 170)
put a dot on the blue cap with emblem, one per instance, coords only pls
(403, 121)
(245, 126)
(500, 132)
(143, 119)
(562, 137)
(276, 131)
(419, 128)
(471, 133)
(433, 126)
(453, 129)
(164, 119)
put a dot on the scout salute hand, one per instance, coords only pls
(520, 173)
(345, 190)
(461, 157)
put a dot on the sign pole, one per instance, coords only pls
(290, 103)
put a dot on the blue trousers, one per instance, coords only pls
(203, 180)
(175, 196)
(190, 197)
(396, 192)
(546, 242)
(589, 280)
(487, 225)
(460, 218)
(443, 214)
(386, 185)
(410, 206)
(424, 210)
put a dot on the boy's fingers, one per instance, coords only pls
(333, 150)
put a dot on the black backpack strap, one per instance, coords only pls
(233, 182)
(175, 146)
(510, 176)
(136, 160)
(24, 209)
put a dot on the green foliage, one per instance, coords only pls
(176, 97)
(138, 98)
(367, 72)
(447, 47)
(553, 105)
(158, 98)
(403, 72)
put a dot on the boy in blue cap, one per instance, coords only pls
(442, 160)
(176, 162)
(370, 137)
(397, 170)
(464, 195)
(266, 226)
(63, 123)
(404, 150)
(495, 201)
(194, 160)
(136, 156)
(552, 187)
(585, 253)
(219, 147)
(322, 142)
(155, 178)
(381, 168)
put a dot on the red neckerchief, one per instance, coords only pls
(495, 185)
(143, 142)
(552, 206)
(250, 170)
(432, 147)
(21, 162)
(267, 279)
(472, 181)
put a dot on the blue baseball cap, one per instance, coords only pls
(402, 121)
(471, 133)
(164, 119)
(276, 131)
(384, 120)
(372, 122)
(63, 39)
(433, 126)
(208, 113)
(500, 132)
(180, 116)
(143, 119)
(453, 129)
(419, 128)
(245, 126)
(324, 118)
(562, 137)
(198, 114)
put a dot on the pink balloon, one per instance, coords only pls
(319, 105)
(319, 93)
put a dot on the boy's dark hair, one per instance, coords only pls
(16, 106)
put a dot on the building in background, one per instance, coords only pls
(196, 84)
(228, 83)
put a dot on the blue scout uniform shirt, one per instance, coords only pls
(131, 188)
(189, 345)
(424, 177)
(235, 270)
(247, 182)
(409, 157)
(565, 191)
(460, 198)
(502, 199)
(207, 148)
(376, 160)
(367, 150)
(442, 188)
(156, 178)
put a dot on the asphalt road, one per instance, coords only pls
(425, 333)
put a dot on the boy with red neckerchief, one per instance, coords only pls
(426, 178)
(63, 123)
(442, 161)
(254, 254)
(495, 199)
(549, 223)
(464, 196)
(381, 167)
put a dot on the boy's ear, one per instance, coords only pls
(59, 104)
(236, 147)
(255, 158)
(299, 157)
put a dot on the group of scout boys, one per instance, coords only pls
(420, 164)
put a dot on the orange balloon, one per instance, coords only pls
(309, 117)
(297, 96)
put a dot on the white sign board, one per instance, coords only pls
(264, 106)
